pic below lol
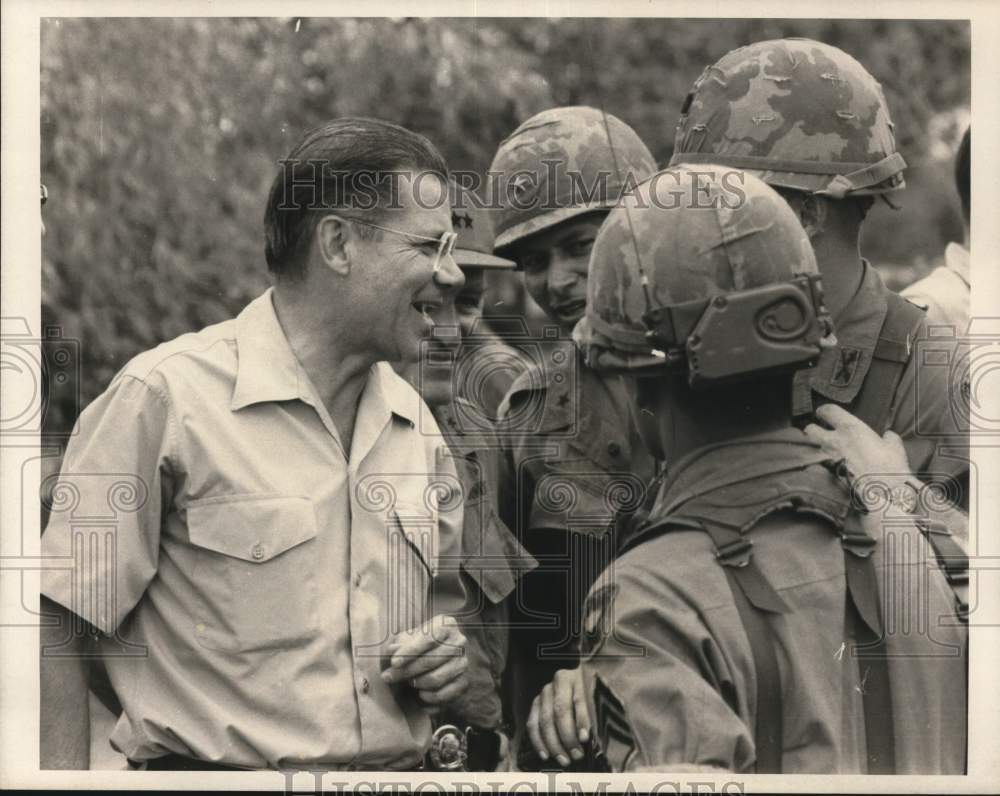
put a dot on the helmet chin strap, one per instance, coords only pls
(643, 280)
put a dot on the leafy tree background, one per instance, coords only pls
(160, 137)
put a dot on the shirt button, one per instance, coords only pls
(364, 685)
(257, 551)
(614, 448)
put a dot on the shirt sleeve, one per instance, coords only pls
(932, 409)
(655, 680)
(106, 504)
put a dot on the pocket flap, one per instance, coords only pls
(254, 529)
(495, 558)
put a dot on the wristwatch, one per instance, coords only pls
(474, 749)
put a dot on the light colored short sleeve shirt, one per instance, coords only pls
(249, 575)
(946, 291)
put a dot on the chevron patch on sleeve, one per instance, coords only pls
(613, 730)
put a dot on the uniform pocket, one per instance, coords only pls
(255, 570)
(492, 556)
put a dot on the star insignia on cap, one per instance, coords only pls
(461, 220)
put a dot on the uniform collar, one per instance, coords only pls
(464, 425)
(268, 370)
(713, 467)
(841, 370)
(956, 257)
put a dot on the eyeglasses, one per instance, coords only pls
(446, 243)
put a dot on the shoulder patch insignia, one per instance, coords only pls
(598, 622)
(614, 733)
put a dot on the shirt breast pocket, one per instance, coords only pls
(254, 569)
(579, 489)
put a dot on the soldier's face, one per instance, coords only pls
(555, 263)
(469, 301)
(432, 373)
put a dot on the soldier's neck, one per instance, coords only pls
(694, 439)
(842, 269)
(695, 420)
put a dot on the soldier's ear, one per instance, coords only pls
(332, 235)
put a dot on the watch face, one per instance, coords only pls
(904, 498)
(448, 748)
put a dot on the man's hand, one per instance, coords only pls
(851, 439)
(431, 658)
(559, 724)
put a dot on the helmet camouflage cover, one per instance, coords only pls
(688, 235)
(561, 163)
(797, 114)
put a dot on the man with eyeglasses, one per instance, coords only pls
(275, 595)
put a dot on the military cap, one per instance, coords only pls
(474, 246)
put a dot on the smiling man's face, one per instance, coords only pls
(555, 263)
(398, 293)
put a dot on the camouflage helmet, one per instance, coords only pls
(796, 113)
(707, 269)
(562, 163)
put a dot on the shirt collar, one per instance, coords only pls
(956, 257)
(267, 368)
(841, 370)
(395, 393)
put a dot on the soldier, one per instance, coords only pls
(490, 365)
(492, 556)
(567, 432)
(811, 122)
(945, 292)
(719, 638)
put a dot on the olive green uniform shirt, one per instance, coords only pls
(576, 460)
(926, 407)
(669, 672)
(492, 561)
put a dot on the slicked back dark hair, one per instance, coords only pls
(349, 165)
(962, 173)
